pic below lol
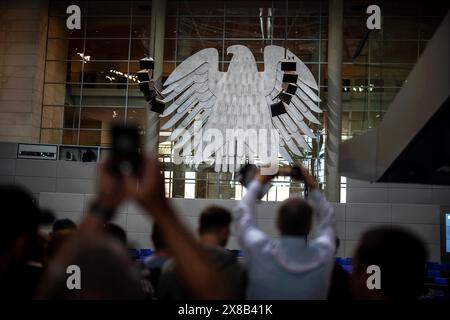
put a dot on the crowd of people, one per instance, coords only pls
(300, 264)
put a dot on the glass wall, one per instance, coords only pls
(377, 63)
(90, 80)
(90, 77)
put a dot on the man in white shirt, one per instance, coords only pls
(294, 266)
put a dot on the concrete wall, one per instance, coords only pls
(67, 188)
(23, 35)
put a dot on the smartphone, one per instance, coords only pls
(126, 145)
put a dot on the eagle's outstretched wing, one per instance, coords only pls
(190, 89)
(298, 104)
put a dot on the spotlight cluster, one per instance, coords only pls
(147, 84)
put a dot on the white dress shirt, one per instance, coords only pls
(288, 267)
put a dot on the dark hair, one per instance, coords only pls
(214, 218)
(401, 257)
(157, 239)
(20, 215)
(116, 232)
(295, 217)
(63, 224)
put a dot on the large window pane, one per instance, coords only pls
(111, 27)
(62, 71)
(93, 138)
(137, 116)
(200, 7)
(135, 97)
(394, 51)
(139, 48)
(200, 27)
(246, 8)
(300, 8)
(142, 8)
(390, 75)
(57, 28)
(59, 7)
(245, 27)
(65, 49)
(141, 27)
(297, 28)
(186, 47)
(100, 96)
(109, 8)
(101, 118)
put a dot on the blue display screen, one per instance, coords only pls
(447, 231)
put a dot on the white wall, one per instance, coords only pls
(366, 192)
(67, 187)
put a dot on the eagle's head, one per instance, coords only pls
(243, 59)
(240, 50)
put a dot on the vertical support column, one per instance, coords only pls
(23, 39)
(334, 101)
(157, 52)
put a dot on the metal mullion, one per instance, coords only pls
(128, 64)
(82, 80)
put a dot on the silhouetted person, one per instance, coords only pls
(293, 266)
(401, 257)
(21, 217)
(214, 231)
(89, 156)
(106, 271)
(340, 281)
(156, 261)
(146, 188)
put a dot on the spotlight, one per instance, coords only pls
(288, 66)
(147, 63)
(157, 106)
(290, 78)
(149, 95)
(147, 85)
(291, 89)
(143, 76)
(277, 108)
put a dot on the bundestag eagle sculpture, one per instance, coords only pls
(230, 109)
